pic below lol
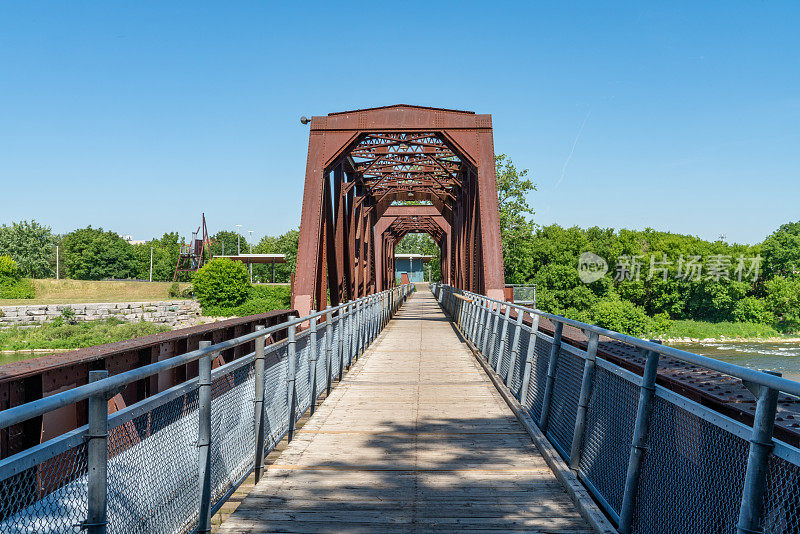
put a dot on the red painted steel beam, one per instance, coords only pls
(359, 163)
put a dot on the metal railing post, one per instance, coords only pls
(544, 418)
(350, 318)
(312, 361)
(486, 322)
(291, 394)
(495, 318)
(583, 401)
(528, 370)
(473, 329)
(258, 405)
(501, 348)
(97, 459)
(328, 351)
(640, 431)
(761, 445)
(514, 352)
(204, 439)
(362, 327)
(342, 332)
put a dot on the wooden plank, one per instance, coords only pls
(416, 438)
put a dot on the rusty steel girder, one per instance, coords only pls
(33, 379)
(363, 168)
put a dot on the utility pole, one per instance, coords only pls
(238, 240)
(251, 251)
(57, 262)
(151, 264)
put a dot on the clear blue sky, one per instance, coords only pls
(137, 116)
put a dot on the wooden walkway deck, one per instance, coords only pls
(415, 439)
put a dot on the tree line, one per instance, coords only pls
(651, 278)
(96, 254)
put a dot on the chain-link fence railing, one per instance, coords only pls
(169, 462)
(655, 461)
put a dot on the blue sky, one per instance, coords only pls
(137, 116)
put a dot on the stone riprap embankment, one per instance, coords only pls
(172, 312)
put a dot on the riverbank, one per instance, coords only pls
(60, 336)
(688, 331)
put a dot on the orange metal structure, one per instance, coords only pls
(374, 175)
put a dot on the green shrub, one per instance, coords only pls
(187, 293)
(660, 323)
(752, 310)
(12, 285)
(174, 290)
(9, 268)
(621, 316)
(261, 299)
(68, 315)
(19, 289)
(783, 301)
(222, 283)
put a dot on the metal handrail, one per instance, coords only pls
(362, 319)
(757, 377)
(480, 315)
(23, 412)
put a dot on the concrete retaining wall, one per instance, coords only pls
(173, 313)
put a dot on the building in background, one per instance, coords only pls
(413, 266)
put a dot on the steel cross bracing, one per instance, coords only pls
(375, 175)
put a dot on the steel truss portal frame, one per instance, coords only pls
(375, 175)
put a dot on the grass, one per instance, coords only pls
(50, 291)
(727, 329)
(58, 335)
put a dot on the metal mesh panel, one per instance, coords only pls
(494, 343)
(505, 362)
(157, 449)
(609, 430)
(153, 457)
(276, 409)
(538, 377)
(321, 370)
(515, 380)
(302, 375)
(692, 474)
(232, 429)
(782, 497)
(336, 355)
(48, 498)
(564, 405)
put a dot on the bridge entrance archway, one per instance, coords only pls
(374, 175)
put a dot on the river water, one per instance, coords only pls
(783, 357)
(19, 356)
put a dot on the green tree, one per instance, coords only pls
(516, 228)
(781, 251)
(227, 243)
(286, 244)
(92, 254)
(783, 301)
(32, 246)
(165, 256)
